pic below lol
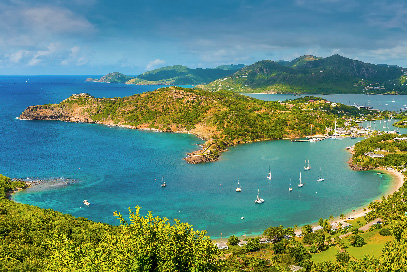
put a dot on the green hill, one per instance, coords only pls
(182, 75)
(114, 77)
(172, 75)
(309, 74)
(221, 118)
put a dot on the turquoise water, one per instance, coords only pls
(116, 168)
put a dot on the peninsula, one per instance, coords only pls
(220, 118)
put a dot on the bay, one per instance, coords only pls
(116, 168)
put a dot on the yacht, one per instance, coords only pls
(238, 189)
(258, 200)
(306, 166)
(300, 185)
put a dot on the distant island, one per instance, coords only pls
(306, 74)
(314, 75)
(220, 118)
(172, 75)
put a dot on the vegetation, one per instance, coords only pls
(114, 77)
(172, 75)
(34, 239)
(309, 74)
(221, 118)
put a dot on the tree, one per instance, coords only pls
(321, 222)
(275, 234)
(145, 244)
(253, 244)
(306, 229)
(342, 257)
(356, 240)
(233, 240)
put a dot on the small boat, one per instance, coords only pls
(163, 184)
(290, 188)
(300, 185)
(306, 166)
(86, 202)
(238, 189)
(258, 200)
(269, 175)
(320, 178)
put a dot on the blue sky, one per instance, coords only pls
(132, 36)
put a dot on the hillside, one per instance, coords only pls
(172, 75)
(309, 74)
(221, 118)
(114, 77)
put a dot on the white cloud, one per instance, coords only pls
(39, 56)
(154, 64)
(18, 56)
(75, 57)
(55, 20)
(28, 25)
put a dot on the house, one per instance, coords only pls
(242, 243)
(222, 245)
(298, 233)
(264, 240)
(317, 228)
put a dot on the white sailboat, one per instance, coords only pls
(290, 188)
(258, 200)
(238, 189)
(320, 178)
(269, 174)
(163, 184)
(306, 166)
(300, 185)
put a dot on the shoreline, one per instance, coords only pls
(396, 182)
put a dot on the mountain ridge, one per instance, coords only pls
(314, 75)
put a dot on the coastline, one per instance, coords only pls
(396, 182)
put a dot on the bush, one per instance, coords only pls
(233, 240)
(356, 240)
(342, 257)
(385, 232)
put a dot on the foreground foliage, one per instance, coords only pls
(34, 239)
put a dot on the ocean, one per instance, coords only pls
(116, 168)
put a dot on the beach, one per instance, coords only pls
(396, 183)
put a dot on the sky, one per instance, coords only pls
(95, 37)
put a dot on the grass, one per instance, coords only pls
(373, 247)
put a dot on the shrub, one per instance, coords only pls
(385, 232)
(233, 240)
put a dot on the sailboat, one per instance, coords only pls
(320, 178)
(307, 167)
(258, 200)
(238, 189)
(163, 184)
(269, 175)
(290, 188)
(300, 185)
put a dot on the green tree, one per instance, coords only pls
(233, 240)
(356, 240)
(306, 229)
(342, 257)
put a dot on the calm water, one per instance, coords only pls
(115, 168)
